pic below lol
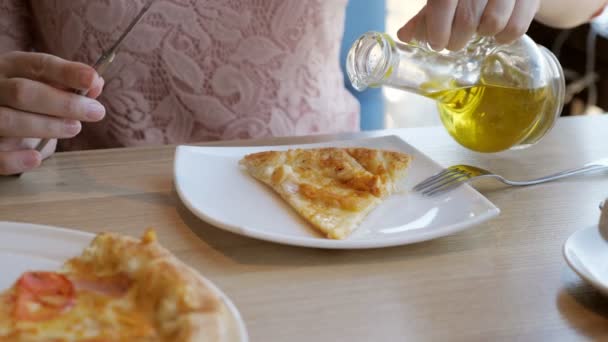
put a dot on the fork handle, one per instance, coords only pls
(556, 176)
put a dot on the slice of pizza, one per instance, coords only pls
(332, 188)
(119, 289)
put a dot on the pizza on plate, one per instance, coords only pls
(119, 289)
(334, 189)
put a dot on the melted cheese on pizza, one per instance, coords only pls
(99, 309)
(119, 289)
(334, 189)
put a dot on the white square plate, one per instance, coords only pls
(214, 187)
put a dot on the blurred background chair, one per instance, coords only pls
(385, 108)
(363, 16)
(583, 53)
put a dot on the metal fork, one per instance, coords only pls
(106, 58)
(456, 175)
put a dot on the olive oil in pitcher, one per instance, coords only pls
(489, 118)
(489, 97)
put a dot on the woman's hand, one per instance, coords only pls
(37, 101)
(451, 23)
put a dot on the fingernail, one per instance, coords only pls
(72, 127)
(31, 160)
(87, 78)
(103, 82)
(435, 47)
(95, 111)
(405, 33)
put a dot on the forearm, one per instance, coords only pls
(568, 13)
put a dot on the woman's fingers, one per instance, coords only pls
(521, 18)
(495, 17)
(47, 69)
(35, 97)
(466, 20)
(97, 88)
(15, 123)
(408, 32)
(13, 144)
(439, 20)
(16, 162)
(452, 23)
(38, 100)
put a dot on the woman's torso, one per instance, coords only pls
(197, 70)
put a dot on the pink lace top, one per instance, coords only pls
(198, 70)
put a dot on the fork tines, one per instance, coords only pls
(443, 181)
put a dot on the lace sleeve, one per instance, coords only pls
(14, 26)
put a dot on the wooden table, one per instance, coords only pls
(503, 280)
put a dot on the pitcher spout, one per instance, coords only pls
(375, 59)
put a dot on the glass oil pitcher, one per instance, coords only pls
(491, 97)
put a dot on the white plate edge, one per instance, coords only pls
(581, 273)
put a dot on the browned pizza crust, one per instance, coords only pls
(176, 298)
(389, 166)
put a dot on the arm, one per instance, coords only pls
(568, 13)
